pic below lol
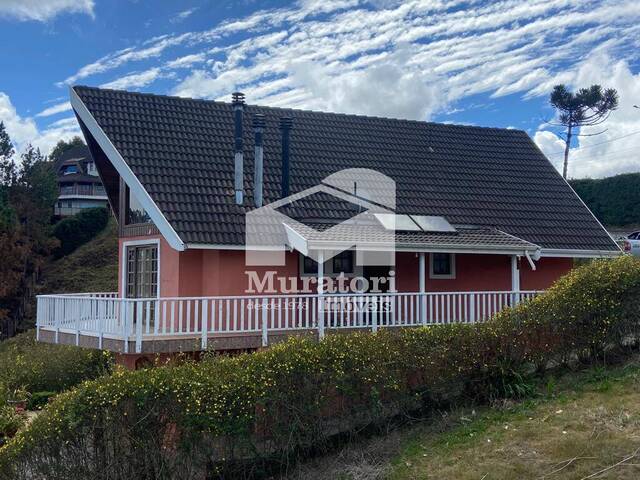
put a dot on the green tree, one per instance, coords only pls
(7, 162)
(63, 146)
(27, 195)
(587, 107)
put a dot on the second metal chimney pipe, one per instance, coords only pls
(238, 109)
(286, 123)
(258, 168)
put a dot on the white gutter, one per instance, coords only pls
(573, 253)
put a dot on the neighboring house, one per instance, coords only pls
(79, 182)
(500, 223)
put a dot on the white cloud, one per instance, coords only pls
(20, 129)
(617, 150)
(387, 89)
(43, 10)
(24, 130)
(134, 80)
(183, 15)
(186, 61)
(54, 109)
(406, 59)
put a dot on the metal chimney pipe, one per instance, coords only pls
(258, 170)
(238, 110)
(286, 123)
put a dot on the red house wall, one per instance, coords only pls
(548, 270)
(194, 273)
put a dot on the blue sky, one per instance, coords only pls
(459, 61)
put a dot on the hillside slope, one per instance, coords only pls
(93, 267)
(614, 200)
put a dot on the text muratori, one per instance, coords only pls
(271, 283)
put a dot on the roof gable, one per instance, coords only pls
(181, 151)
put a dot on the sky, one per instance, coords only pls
(486, 63)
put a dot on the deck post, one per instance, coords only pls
(320, 294)
(265, 324)
(204, 324)
(100, 314)
(515, 280)
(124, 319)
(472, 308)
(39, 307)
(78, 310)
(57, 311)
(422, 272)
(139, 310)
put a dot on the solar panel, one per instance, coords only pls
(433, 224)
(393, 222)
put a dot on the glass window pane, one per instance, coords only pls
(135, 212)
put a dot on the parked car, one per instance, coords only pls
(632, 244)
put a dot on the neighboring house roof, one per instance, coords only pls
(73, 155)
(181, 152)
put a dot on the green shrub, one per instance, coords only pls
(79, 229)
(228, 416)
(10, 423)
(38, 367)
(38, 400)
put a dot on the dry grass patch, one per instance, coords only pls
(590, 430)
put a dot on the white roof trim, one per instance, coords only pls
(125, 172)
(573, 253)
(296, 240)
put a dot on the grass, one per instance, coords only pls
(572, 427)
(93, 267)
(583, 424)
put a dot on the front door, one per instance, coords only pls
(142, 282)
(142, 271)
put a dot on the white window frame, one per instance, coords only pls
(451, 276)
(151, 242)
(328, 268)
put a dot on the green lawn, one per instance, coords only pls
(582, 425)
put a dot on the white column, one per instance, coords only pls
(422, 273)
(320, 293)
(515, 279)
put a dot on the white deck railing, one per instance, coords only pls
(104, 315)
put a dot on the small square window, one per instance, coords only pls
(442, 265)
(309, 266)
(343, 262)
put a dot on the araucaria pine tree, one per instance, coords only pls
(587, 107)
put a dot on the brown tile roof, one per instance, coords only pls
(181, 150)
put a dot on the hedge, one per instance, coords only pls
(40, 367)
(79, 229)
(227, 417)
